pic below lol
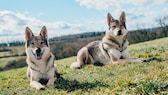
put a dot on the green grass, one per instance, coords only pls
(119, 79)
(4, 61)
(15, 50)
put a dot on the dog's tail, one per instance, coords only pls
(82, 58)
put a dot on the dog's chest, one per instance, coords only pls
(119, 41)
(42, 66)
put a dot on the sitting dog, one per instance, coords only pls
(39, 59)
(112, 48)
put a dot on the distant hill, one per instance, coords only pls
(66, 46)
(134, 36)
(77, 36)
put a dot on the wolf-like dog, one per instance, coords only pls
(39, 59)
(111, 49)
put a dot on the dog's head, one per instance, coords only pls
(36, 46)
(117, 27)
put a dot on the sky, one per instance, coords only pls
(64, 17)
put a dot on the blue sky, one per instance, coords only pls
(63, 17)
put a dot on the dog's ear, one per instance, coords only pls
(44, 32)
(123, 17)
(109, 19)
(28, 33)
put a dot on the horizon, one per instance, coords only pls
(74, 16)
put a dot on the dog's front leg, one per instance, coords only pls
(34, 81)
(139, 60)
(51, 77)
(32, 65)
(114, 56)
(50, 63)
(51, 81)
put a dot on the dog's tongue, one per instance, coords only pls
(38, 56)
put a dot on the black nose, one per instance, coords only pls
(38, 50)
(119, 32)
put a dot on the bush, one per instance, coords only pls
(14, 64)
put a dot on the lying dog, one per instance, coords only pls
(112, 48)
(39, 59)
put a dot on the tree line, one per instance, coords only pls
(71, 45)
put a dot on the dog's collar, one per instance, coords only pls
(35, 69)
(39, 71)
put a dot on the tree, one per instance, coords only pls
(163, 23)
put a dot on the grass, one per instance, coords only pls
(15, 50)
(119, 79)
(4, 61)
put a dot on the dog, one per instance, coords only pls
(39, 59)
(111, 49)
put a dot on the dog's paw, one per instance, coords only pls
(141, 60)
(146, 59)
(75, 65)
(152, 59)
(37, 85)
(41, 87)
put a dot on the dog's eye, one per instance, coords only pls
(114, 26)
(32, 43)
(42, 42)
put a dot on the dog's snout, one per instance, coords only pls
(119, 32)
(38, 50)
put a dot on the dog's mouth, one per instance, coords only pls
(38, 56)
(37, 53)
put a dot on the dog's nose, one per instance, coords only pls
(38, 50)
(119, 32)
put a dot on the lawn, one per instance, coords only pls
(4, 61)
(113, 79)
(14, 50)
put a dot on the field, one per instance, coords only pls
(14, 50)
(147, 78)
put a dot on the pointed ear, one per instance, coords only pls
(123, 17)
(44, 32)
(109, 19)
(28, 33)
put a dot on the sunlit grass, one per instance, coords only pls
(120, 79)
(4, 61)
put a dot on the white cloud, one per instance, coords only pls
(113, 4)
(99, 4)
(138, 12)
(12, 26)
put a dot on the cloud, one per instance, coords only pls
(113, 4)
(12, 26)
(99, 4)
(138, 12)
